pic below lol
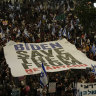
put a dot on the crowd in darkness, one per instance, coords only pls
(35, 21)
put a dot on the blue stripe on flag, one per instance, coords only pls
(44, 69)
(43, 77)
(41, 83)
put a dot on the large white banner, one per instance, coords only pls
(86, 89)
(26, 58)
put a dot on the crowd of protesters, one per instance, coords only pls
(34, 21)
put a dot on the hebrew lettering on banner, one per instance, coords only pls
(86, 89)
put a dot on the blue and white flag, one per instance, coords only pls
(19, 32)
(93, 69)
(93, 49)
(26, 32)
(60, 32)
(43, 77)
(68, 35)
(64, 32)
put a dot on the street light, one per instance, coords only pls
(95, 5)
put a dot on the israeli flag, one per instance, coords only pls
(26, 32)
(93, 49)
(43, 77)
(64, 32)
(60, 32)
(93, 69)
(68, 35)
(19, 32)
